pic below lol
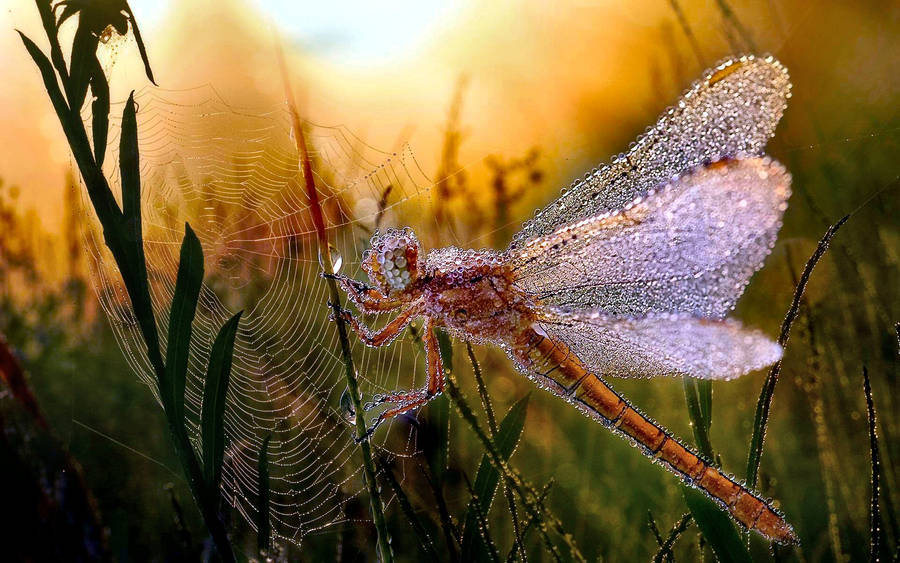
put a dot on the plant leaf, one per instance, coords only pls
(487, 478)
(142, 49)
(181, 316)
(263, 526)
(212, 415)
(100, 113)
(84, 60)
(130, 166)
(49, 77)
(716, 527)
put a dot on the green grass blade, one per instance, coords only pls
(124, 232)
(699, 424)
(212, 415)
(487, 478)
(716, 527)
(704, 392)
(181, 316)
(263, 525)
(437, 450)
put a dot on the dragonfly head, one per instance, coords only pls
(393, 261)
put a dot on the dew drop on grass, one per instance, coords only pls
(347, 410)
(336, 259)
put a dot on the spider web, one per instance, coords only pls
(233, 175)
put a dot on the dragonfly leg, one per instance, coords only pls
(384, 336)
(367, 299)
(405, 401)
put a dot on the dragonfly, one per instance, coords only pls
(631, 272)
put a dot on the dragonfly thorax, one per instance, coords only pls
(472, 293)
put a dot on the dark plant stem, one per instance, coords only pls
(530, 522)
(764, 404)
(451, 534)
(666, 548)
(685, 26)
(420, 532)
(874, 507)
(384, 544)
(483, 525)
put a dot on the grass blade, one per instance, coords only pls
(130, 166)
(716, 527)
(99, 113)
(263, 525)
(874, 507)
(142, 49)
(212, 415)
(181, 316)
(699, 423)
(487, 478)
(764, 404)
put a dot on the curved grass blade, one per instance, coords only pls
(716, 527)
(263, 525)
(181, 316)
(212, 415)
(764, 404)
(487, 478)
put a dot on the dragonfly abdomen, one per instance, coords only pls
(560, 371)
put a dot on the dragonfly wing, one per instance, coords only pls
(663, 345)
(733, 109)
(688, 247)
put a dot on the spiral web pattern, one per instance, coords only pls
(234, 176)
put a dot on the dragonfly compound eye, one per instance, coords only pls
(393, 260)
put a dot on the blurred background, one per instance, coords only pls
(502, 104)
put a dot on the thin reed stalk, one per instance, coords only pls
(874, 506)
(384, 543)
(666, 548)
